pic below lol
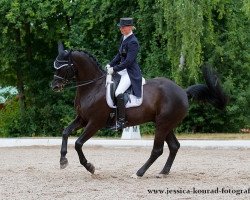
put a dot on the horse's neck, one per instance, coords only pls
(87, 96)
(87, 70)
(88, 76)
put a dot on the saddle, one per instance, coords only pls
(111, 85)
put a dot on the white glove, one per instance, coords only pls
(107, 66)
(110, 70)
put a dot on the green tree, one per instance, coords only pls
(213, 31)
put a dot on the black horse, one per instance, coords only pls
(164, 103)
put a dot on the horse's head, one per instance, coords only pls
(79, 66)
(64, 69)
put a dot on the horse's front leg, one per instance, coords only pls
(75, 125)
(89, 131)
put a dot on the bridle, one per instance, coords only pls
(70, 68)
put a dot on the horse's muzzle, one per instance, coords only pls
(56, 87)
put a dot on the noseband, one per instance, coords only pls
(70, 68)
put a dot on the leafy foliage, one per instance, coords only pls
(213, 31)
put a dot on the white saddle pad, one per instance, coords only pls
(133, 102)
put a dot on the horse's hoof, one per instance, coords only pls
(135, 176)
(63, 163)
(90, 168)
(140, 173)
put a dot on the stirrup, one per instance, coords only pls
(119, 126)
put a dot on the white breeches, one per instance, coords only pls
(124, 82)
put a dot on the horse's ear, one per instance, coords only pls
(60, 47)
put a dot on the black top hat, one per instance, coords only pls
(125, 22)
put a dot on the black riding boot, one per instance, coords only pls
(120, 124)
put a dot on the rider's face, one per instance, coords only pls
(125, 30)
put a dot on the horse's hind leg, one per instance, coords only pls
(156, 152)
(173, 146)
(75, 125)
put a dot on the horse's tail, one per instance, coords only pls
(211, 92)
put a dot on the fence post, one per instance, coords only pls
(132, 132)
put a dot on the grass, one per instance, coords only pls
(208, 136)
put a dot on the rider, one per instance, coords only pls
(125, 64)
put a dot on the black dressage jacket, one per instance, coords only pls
(126, 59)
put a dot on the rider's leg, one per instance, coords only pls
(119, 93)
(123, 84)
(120, 111)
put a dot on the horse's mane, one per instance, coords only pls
(89, 55)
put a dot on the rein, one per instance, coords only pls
(83, 83)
